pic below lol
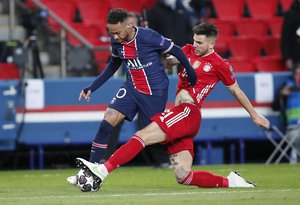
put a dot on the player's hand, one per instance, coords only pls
(169, 61)
(261, 121)
(84, 95)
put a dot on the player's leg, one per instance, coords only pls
(155, 153)
(111, 119)
(122, 106)
(182, 120)
(182, 163)
(149, 135)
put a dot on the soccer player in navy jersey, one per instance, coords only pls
(178, 127)
(146, 87)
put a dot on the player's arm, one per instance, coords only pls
(167, 46)
(169, 61)
(109, 70)
(259, 120)
(178, 53)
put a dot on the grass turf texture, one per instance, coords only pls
(277, 184)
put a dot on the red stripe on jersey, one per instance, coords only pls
(140, 81)
(139, 77)
(129, 49)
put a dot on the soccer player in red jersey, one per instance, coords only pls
(177, 127)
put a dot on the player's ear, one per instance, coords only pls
(212, 44)
(128, 25)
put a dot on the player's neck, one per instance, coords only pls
(131, 33)
(208, 53)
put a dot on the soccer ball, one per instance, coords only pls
(86, 181)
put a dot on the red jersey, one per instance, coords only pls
(210, 69)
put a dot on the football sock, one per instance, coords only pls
(99, 145)
(125, 153)
(205, 179)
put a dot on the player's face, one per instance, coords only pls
(203, 45)
(119, 31)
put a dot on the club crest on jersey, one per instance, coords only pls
(196, 64)
(207, 67)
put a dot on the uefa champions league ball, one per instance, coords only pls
(86, 181)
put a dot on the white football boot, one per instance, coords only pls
(72, 180)
(235, 180)
(99, 171)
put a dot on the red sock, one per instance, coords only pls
(125, 153)
(205, 179)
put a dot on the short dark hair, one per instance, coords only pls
(206, 28)
(116, 15)
(135, 15)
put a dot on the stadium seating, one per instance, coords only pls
(90, 32)
(242, 65)
(262, 10)
(133, 6)
(231, 10)
(271, 46)
(64, 9)
(148, 4)
(251, 28)
(29, 4)
(93, 12)
(286, 4)
(102, 58)
(9, 71)
(270, 64)
(244, 47)
(275, 25)
(226, 31)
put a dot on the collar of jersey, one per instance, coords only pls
(208, 53)
(137, 30)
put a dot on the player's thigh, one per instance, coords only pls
(182, 164)
(152, 134)
(113, 117)
(125, 103)
(149, 105)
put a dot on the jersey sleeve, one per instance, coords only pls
(186, 48)
(159, 42)
(226, 74)
(114, 47)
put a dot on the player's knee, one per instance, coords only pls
(143, 136)
(113, 116)
(181, 175)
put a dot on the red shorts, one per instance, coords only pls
(181, 124)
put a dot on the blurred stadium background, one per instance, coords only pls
(50, 49)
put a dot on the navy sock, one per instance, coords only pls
(99, 145)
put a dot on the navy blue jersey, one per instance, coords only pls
(141, 56)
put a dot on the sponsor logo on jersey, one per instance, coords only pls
(136, 64)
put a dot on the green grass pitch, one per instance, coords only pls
(277, 184)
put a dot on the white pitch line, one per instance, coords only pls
(145, 194)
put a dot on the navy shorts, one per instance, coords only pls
(129, 102)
